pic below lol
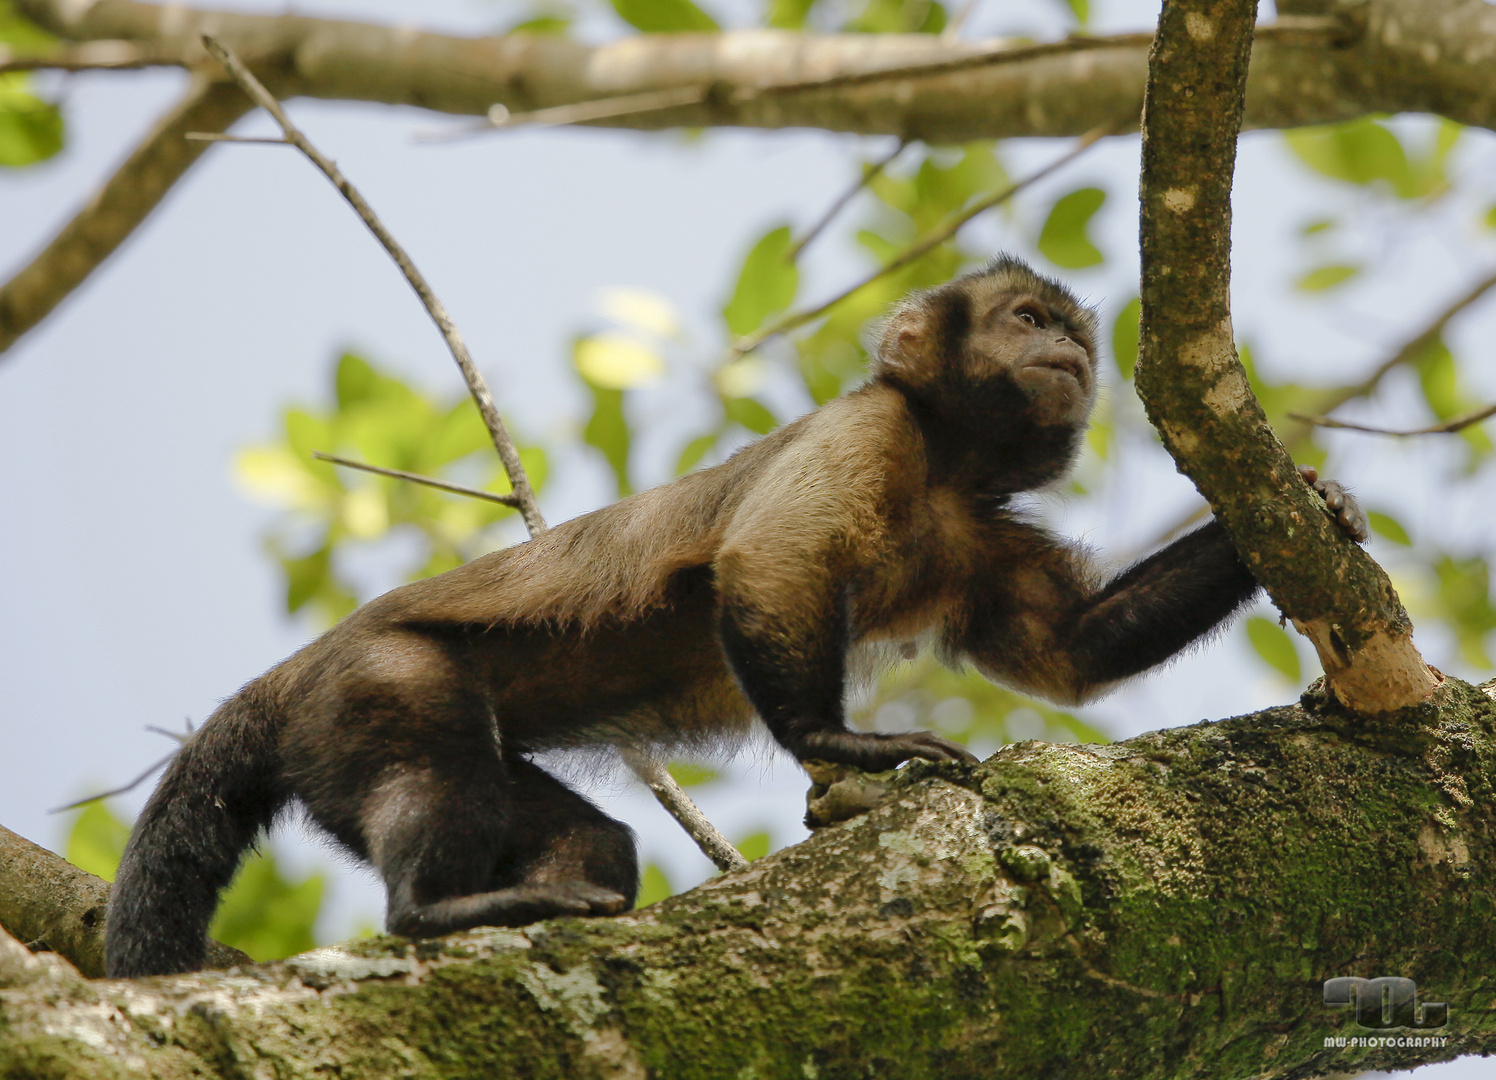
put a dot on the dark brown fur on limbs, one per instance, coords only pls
(676, 616)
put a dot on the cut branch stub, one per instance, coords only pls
(1196, 391)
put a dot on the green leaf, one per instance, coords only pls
(1319, 225)
(664, 16)
(754, 847)
(354, 381)
(541, 26)
(1081, 9)
(1125, 337)
(264, 914)
(1327, 277)
(1490, 218)
(750, 414)
(97, 840)
(1367, 153)
(694, 451)
(1389, 528)
(608, 431)
(306, 576)
(899, 17)
(1063, 240)
(766, 284)
(1464, 600)
(690, 773)
(23, 36)
(654, 886)
(789, 14)
(31, 130)
(1275, 647)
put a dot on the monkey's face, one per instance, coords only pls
(1021, 339)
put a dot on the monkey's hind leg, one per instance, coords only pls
(494, 842)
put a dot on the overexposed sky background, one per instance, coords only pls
(133, 586)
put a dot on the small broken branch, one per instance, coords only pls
(655, 776)
(1459, 423)
(417, 478)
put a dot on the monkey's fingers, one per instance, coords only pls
(932, 747)
(1341, 503)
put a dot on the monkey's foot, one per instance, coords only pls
(517, 906)
(1341, 503)
(876, 752)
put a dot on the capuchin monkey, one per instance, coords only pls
(675, 617)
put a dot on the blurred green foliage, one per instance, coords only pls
(377, 418)
(261, 913)
(31, 130)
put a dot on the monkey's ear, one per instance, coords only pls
(906, 348)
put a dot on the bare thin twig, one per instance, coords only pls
(178, 737)
(508, 453)
(869, 173)
(417, 478)
(212, 136)
(1449, 427)
(675, 800)
(927, 243)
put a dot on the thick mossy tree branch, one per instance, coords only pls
(1194, 386)
(1165, 907)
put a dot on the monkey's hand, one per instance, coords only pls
(875, 752)
(1341, 504)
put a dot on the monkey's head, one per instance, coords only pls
(997, 339)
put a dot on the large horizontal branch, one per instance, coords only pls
(1395, 56)
(1169, 906)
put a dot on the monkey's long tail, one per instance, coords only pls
(218, 792)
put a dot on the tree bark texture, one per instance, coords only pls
(1196, 390)
(51, 905)
(1163, 907)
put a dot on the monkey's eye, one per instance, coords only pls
(1032, 317)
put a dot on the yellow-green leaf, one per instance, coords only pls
(664, 16)
(1063, 240)
(1389, 528)
(766, 284)
(1125, 337)
(1275, 647)
(1327, 277)
(616, 361)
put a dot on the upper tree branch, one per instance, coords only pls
(1395, 55)
(1196, 391)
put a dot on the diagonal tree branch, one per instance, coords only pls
(1194, 386)
(125, 200)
